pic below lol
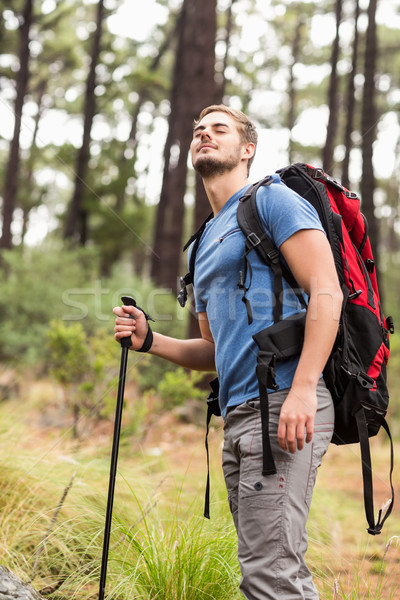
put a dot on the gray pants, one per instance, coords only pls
(270, 513)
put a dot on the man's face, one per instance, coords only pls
(216, 147)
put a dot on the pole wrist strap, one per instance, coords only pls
(148, 342)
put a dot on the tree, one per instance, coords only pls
(193, 87)
(351, 101)
(368, 129)
(327, 154)
(296, 48)
(76, 221)
(13, 163)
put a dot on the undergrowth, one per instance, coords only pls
(52, 509)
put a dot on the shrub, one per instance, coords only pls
(178, 386)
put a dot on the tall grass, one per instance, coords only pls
(174, 559)
(161, 547)
(51, 529)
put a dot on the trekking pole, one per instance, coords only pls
(125, 345)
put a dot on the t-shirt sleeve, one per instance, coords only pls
(199, 304)
(283, 212)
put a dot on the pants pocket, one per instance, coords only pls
(320, 445)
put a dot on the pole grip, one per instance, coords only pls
(126, 342)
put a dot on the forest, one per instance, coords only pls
(97, 199)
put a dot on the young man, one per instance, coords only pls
(269, 512)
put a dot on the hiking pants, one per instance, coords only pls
(270, 512)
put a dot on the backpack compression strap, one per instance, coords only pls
(374, 528)
(212, 409)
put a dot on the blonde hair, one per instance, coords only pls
(247, 130)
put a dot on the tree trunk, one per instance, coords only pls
(327, 155)
(76, 222)
(368, 130)
(351, 101)
(193, 87)
(125, 167)
(31, 199)
(220, 76)
(291, 119)
(13, 164)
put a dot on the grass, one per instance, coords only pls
(158, 549)
(52, 506)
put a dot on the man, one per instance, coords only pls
(269, 512)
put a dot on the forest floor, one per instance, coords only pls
(344, 556)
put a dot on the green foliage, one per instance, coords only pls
(41, 285)
(84, 366)
(69, 352)
(33, 289)
(179, 558)
(179, 386)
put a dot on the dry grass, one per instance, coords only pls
(161, 467)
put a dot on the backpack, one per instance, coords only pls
(355, 372)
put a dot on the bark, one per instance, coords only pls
(220, 88)
(13, 164)
(351, 101)
(76, 222)
(193, 88)
(291, 119)
(327, 155)
(202, 205)
(368, 130)
(28, 203)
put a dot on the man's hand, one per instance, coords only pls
(296, 419)
(125, 326)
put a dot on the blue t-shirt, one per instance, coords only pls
(219, 260)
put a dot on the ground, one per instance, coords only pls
(340, 548)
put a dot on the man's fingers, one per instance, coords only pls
(124, 323)
(309, 429)
(127, 311)
(292, 435)
(282, 435)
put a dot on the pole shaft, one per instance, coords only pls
(113, 470)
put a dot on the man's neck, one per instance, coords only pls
(220, 188)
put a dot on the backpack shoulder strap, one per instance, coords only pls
(189, 277)
(257, 239)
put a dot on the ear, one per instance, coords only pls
(248, 151)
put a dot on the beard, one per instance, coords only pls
(209, 166)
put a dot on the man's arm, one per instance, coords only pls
(310, 259)
(197, 353)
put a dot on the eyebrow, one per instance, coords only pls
(199, 127)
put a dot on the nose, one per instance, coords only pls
(205, 133)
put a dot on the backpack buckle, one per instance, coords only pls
(317, 173)
(390, 324)
(266, 363)
(253, 239)
(365, 380)
(351, 195)
(183, 295)
(273, 256)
